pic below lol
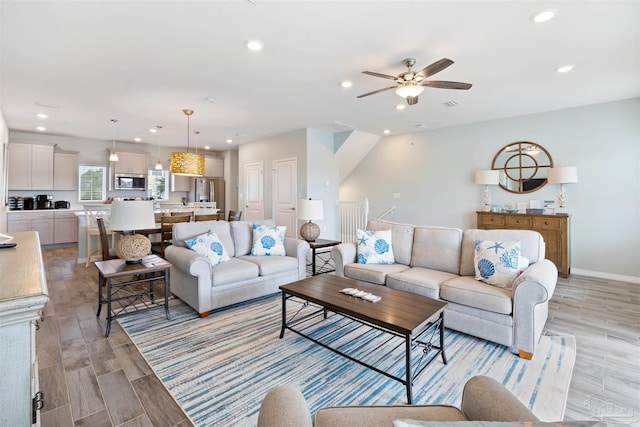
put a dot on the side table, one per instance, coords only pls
(321, 244)
(132, 286)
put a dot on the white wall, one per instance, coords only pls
(433, 172)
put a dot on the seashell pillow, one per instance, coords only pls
(268, 240)
(496, 263)
(209, 245)
(374, 247)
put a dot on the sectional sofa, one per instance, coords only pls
(438, 262)
(242, 278)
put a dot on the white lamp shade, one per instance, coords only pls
(130, 215)
(309, 209)
(488, 177)
(563, 175)
(409, 90)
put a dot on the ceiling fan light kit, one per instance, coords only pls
(410, 85)
(185, 163)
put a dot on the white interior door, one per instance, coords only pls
(254, 203)
(285, 188)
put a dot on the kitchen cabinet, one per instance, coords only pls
(40, 221)
(65, 171)
(180, 182)
(213, 167)
(65, 227)
(554, 229)
(134, 163)
(30, 167)
(23, 295)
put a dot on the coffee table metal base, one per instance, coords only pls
(430, 340)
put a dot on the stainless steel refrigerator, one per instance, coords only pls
(208, 189)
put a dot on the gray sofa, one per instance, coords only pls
(483, 399)
(437, 262)
(243, 277)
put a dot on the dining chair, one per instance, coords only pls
(207, 217)
(183, 213)
(107, 252)
(92, 212)
(234, 216)
(166, 231)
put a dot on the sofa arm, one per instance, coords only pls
(531, 294)
(485, 399)
(299, 249)
(189, 262)
(284, 406)
(343, 254)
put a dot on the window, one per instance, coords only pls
(92, 183)
(157, 185)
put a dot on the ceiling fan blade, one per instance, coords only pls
(412, 100)
(447, 85)
(436, 67)
(384, 76)
(376, 91)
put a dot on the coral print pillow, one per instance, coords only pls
(496, 263)
(268, 240)
(374, 247)
(210, 246)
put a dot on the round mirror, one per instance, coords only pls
(523, 166)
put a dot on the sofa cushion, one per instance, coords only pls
(421, 281)
(210, 246)
(473, 293)
(496, 263)
(269, 265)
(242, 234)
(437, 248)
(401, 236)
(531, 245)
(373, 273)
(374, 247)
(268, 240)
(232, 271)
(188, 230)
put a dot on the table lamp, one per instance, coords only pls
(128, 216)
(309, 210)
(487, 177)
(563, 175)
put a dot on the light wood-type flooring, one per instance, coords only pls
(90, 380)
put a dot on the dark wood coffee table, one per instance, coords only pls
(414, 318)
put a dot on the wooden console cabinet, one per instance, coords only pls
(554, 230)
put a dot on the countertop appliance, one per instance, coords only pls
(208, 189)
(29, 203)
(44, 201)
(62, 204)
(127, 181)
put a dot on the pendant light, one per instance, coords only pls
(113, 156)
(185, 163)
(158, 165)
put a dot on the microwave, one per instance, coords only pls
(129, 182)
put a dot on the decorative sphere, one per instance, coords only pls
(309, 231)
(133, 247)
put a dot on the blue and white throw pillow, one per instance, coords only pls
(268, 240)
(210, 246)
(374, 247)
(496, 263)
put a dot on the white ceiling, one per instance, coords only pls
(142, 62)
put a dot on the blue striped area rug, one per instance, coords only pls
(219, 368)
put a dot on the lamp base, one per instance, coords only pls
(132, 247)
(309, 231)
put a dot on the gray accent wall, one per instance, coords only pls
(433, 174)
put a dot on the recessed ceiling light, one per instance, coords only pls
(565, 68)
(42, 116)
(254, 45)
(544, 15)
(206, 147)
(41, 128)
(152, 130)
(386, 131)
(229, 141)
(137, 139)
(346, 83)
(400, 107)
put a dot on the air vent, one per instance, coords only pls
(450, 104)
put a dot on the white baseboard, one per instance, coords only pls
(609, 276)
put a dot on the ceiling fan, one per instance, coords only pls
(411, 84)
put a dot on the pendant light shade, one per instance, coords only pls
(185, 163)
(113, 156)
